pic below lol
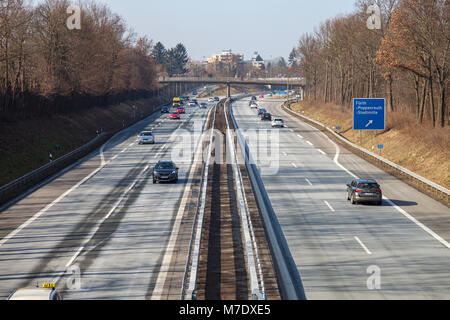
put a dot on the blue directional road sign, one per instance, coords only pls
(369, 114)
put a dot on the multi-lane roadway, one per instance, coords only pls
(101, 229)
(399, 250)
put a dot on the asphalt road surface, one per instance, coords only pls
(100, 230)
(399, 250)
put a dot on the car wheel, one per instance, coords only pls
(353, 201)
(379, 203)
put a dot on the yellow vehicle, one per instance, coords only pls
(176, 102)
(46, 292)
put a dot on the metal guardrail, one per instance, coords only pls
(194, 246)
(290, 283)
(232, 80)
(16, 187)
(257, 286)
(22, 184)
(433, 189)
(189, 291)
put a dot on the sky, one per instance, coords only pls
(270, 27)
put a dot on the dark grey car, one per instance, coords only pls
(165, 171)
(361, 190)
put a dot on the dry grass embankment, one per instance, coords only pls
(417, 147)
(25, 145)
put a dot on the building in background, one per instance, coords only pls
(258, 62)
(197, 68)
(226, 57)
(225, 63)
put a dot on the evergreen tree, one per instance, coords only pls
(292, 57)
(159, 53)
(176, 60)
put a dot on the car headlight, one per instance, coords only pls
(174, 171)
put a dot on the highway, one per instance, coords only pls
(101, 229)
(399, 250)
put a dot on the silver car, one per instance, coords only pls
(146, 137)
(277, 123)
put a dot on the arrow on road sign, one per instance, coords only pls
(370, 122)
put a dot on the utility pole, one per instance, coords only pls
(287, 90)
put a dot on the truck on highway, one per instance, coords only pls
(176, 102)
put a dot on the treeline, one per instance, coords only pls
(171, 61)
(41, 57)
(405, 60)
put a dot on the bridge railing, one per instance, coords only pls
(243, 80)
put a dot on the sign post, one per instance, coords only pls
(380, 148)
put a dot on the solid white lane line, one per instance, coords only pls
(41, 212)
(321, 152)
(24, 225)
(102, 156)
(362, 245)
(301, 137)
(162, 275)
(403, 212)
(294, 165)
(329, 206)
(309, 143)
(424, 227)
(309, 182)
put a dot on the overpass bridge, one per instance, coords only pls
(288, 82)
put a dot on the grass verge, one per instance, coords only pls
(417, 147)
(26, 144)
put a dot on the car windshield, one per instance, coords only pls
(279, 120)
(146, 134)
(165, 165)
(368, 185)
